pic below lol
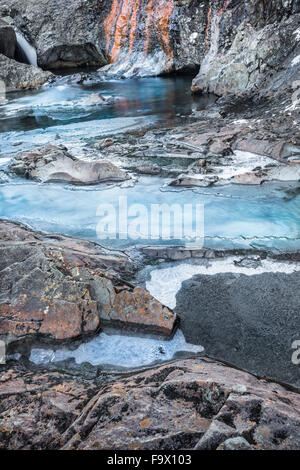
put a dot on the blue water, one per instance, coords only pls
(234, 216)
(60, 114)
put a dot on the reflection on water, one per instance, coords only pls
(67, 103)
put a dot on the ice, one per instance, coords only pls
(166, 282)
(119, 351)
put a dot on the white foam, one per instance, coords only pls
(166, 282)
(117, 350)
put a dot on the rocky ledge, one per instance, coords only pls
(56, 288)
(53, 163)
(189, 404)
(17, 76)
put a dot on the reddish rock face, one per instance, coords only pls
(195, 403)
(61, 289)
(139, 307)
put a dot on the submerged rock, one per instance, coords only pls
(193, 403)
(17, 76)
(52, 163)
(249, 321)
(58, 288)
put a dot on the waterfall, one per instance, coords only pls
(28, 51)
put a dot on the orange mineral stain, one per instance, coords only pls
(121, 26)
(207, 38)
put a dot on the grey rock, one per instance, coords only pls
(17, 76)
(249, 321)
(235, 443)
(52, 163)
(8, 40)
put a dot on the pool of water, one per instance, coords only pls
(264, 216)
(235, 216)
(62, 113)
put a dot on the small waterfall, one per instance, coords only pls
(28, 51)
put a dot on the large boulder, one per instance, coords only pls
(59, 289)
(8, 40)
(249, 321)
(195, 403)
(17, 76)
(52, 163)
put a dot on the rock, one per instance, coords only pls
(59, 289)
(171, 407)
(260, 147)
(252, 56)
(18, 76)
(104, 143)
(131, 309)
(249, 321)
(52, 163)
(249, 262)
(148, 170)
(8, 40)
(235, 443)
(93, 100)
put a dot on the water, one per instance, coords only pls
(130, 352)
(234, 216)
(62, 114)
(28, 50)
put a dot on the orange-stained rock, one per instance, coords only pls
(133, 308)
(60, 289)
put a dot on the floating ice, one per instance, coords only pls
(166, 282)
(119, 351)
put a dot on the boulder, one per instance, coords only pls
(17, 76)
(8, 40)
(250, 321)
(52, 163)
(59, 289)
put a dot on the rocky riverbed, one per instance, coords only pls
(129, 342)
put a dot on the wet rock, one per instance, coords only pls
(8, 40)
(133, 308)
(53, 163)
(186, 404)
(59, 289)
(260, 147)
(249, 262)
(148, 170)
(235, 443)
(250, 321)
(17, 76)
(93, 100)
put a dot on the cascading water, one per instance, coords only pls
(28, 51)
(138, 37)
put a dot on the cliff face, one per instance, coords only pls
(238, 44)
